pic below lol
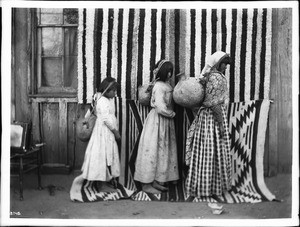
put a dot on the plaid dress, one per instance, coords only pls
(208, 154)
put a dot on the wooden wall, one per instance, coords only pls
(53, 117)
(54, 124)
(280, 144)
(21, 109)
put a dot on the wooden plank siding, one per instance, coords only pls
(21, 60)
(50, 126)
(280, 137)
(63, 129)
(36, 132)
(80, 146)
(55, 118)
(71, 133)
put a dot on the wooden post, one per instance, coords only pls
(63, 131)
(280, 116)
(285, 76)
(13, 76)
(21, 65)
(272, 156)
(36, 122)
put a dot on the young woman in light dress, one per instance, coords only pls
(156, 162)
(101, 162)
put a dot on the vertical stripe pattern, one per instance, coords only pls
(80, 62)
(90, 18)
(126, 44)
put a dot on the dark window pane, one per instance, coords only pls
(70, 41)
(58, 49)
(70, 67)
(51, 16)
(52, 42)
(51, 72)
(70, 70)
(70, 16)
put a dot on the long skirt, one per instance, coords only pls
(157, 150)
(101, 152)
(208, 156)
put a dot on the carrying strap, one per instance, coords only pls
(96, 97)
(151, 85)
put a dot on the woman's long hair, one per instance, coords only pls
(226, 60)
(162, 68)
(104, 84)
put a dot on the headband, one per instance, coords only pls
(213, 61)
(156, 70)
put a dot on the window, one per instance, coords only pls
(56, 50)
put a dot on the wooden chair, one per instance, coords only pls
(24, 156)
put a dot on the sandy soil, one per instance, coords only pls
(41, 205)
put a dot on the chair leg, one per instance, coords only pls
(39, 170)
(21, 178)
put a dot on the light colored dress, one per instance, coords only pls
(157, 150)
(102, 149)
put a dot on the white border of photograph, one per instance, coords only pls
(7, 5)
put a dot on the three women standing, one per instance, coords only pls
(207, 144)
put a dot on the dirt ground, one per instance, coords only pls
(41, 205)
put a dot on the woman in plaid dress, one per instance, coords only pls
(208, 144)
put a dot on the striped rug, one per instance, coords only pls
(126, 43)
(83, 190)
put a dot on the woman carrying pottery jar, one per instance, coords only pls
(208, 144)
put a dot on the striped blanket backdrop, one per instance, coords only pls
(126, 43)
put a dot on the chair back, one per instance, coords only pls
(20, 136)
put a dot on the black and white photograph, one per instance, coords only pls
(149, 113)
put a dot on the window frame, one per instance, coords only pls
(38, 89)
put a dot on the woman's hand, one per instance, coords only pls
(173, 115)
(117, 135)
(222, 130)
(217, 113)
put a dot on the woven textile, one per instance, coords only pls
(247, 128)
(126, 43)
(83, 190)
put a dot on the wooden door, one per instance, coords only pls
(54, 124)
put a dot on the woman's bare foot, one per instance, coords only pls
(156, 185)
(148, 188)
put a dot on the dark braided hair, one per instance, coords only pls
(104, 84)
(163, 70)
(226, 60)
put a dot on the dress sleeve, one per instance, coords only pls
(162, 98)
(104, 110)
(215, 90)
